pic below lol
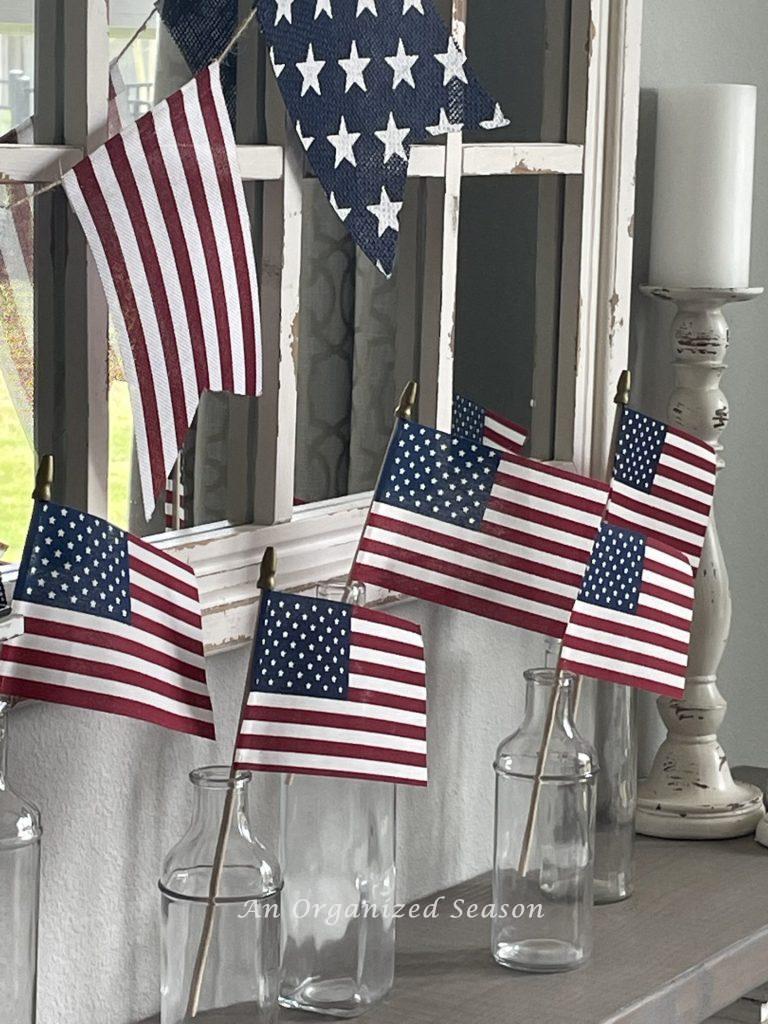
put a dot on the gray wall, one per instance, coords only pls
(691, 41)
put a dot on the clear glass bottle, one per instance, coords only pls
(20, 834)
(242, 969)
(542, 918)
(609, 716)
(337, 848)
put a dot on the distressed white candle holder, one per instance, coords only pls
(690, 792)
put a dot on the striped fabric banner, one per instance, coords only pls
(163, 209)
(336, 690)
(632, 620)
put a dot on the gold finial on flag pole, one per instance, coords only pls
(623, 388)
(44, 479)
(407, 404)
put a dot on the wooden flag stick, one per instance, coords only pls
(621, 399)
(266, 583)
(404, 411)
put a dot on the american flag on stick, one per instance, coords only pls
(463, 525)
(632, 619)
(336, 690)
(110, 623)
(663, 483)
(163, 209)
(479, 424)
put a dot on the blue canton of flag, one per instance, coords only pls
(336, 690)
(363, 80)
(110, 623)
(631, 622)
(4, 607)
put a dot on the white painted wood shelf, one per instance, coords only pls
(692, 940)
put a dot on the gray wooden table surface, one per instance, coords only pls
(692, 939)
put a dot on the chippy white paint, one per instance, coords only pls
(690, 792)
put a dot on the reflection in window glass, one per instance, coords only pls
(16, 370)
(356, 353)
(508, 300)
(17, 63)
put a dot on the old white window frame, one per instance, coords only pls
(317, 542)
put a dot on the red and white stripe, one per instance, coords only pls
(503, 434)
(677, 508)
(152, 669)
(524, 566)
(163, 209)
(647, 648)
(379, 732)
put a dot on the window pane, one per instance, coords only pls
(356, 352)
(508, 302)
(16, 370)
(521, 53)
(17, 62)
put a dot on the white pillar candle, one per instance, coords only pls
(702, 205)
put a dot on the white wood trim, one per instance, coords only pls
(614, 287)
(483, 158)
(45, 164)
(280, 288)
(33, 163)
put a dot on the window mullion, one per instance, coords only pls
(280, 277)
(86, 324)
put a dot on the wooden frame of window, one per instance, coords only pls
(317, 542)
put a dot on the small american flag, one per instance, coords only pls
(336, 690)
(110, 623)
(632, 620)
(463, 525)
(163, 209)
(4, 607)
(478, 424)
(663, 483)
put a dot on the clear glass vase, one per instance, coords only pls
(20, 834)
(610, 720)
(241, 975)
(337, 848)
(542, 915)
(607, 715)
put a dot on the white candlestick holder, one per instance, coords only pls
(690, 792)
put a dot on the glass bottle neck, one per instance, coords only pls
(217, 794)
(540, 687)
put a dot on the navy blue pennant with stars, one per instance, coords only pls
(363, 80)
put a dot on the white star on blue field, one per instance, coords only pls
(363, 80)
